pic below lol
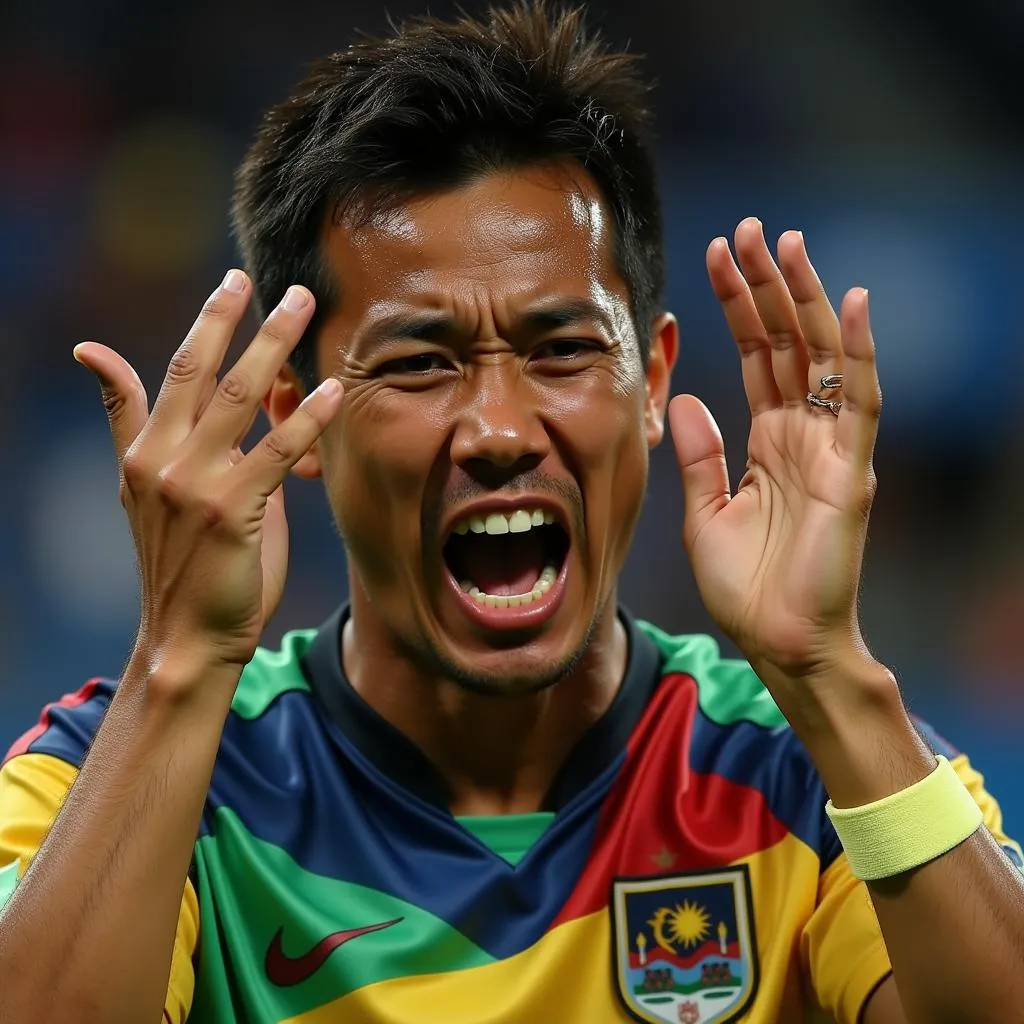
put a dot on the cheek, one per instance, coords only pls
(375, 473)
(611, 429)
(609, 447)
(629, 483)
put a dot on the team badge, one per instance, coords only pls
(684, 948)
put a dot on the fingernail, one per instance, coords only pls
(234, 281)
(76, 353)
(330, 387)
(295, 299)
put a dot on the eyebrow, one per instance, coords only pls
(568, 313)
(545, 316)
(424, 326)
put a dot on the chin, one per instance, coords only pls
(529, 666)
(517, 676)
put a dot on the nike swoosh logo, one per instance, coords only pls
(284, 971)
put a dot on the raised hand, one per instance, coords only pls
(207, 519)
(778, 564)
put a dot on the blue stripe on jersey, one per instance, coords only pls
(71, 730)
(939, 744)
(295, 780)
(775, 763)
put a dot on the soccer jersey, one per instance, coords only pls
(686, 873)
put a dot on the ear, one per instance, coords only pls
(285, 396)
(664, 349)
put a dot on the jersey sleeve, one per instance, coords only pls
(34, 780)
(842, 949)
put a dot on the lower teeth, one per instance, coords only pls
(544, 583)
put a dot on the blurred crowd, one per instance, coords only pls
(891, 134)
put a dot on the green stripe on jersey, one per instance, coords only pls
(259, 890)
(728, 689)
(8, 882)
(510, 836)
(271, 673)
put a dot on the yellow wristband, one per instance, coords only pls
(908, 828)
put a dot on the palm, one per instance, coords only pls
(768, 563)
(778, 563)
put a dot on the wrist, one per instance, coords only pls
(180, 674)
(852, 720)
(908, 828)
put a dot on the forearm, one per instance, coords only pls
(953, 927)
(88, 934)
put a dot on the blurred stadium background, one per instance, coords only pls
(890, 133)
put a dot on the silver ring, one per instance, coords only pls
(830, 382)
(831, 404)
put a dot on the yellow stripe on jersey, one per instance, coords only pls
(32, 790)
(566, 975)
(990, 810)
(822, 927)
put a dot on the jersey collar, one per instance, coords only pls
(403, 762)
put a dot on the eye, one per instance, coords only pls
(566, 349)
(421, 363)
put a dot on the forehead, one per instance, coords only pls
(504, 238)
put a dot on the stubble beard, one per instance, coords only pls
(438, 664)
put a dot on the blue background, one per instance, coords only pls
(890, 134)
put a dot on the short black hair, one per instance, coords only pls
(435, 105)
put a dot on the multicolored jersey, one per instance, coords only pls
(688, 872)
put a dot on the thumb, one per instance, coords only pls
(700, 453)
(124, 397)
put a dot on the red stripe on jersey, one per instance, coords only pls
(662, 818)
(70, 700)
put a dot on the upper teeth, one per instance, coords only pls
(518, 521)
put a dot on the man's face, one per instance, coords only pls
(489, 461)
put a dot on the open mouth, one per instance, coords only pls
(507, 559)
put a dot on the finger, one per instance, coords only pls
(208, 392)
(124, 397)
(818, 321)
(857, 425)
(701, 456)
(195, 364)
(775, 309)
(270, 461)
(746, 328)
(236, 400)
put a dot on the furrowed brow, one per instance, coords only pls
(424, 326)
(567, 313)
(429, 325)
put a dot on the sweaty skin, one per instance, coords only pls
(457, 389)
(512, 369)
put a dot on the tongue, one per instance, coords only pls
(509, 564)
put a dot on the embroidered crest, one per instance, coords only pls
(684, 948)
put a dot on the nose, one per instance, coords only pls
(499, 433)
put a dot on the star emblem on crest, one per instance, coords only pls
(664, 859)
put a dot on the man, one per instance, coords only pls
(482, 792)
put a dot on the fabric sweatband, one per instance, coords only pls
(907, 829)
